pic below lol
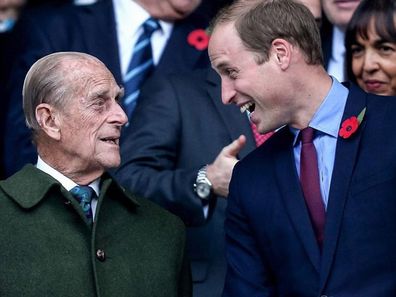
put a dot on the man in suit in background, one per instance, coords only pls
(312, 211)
(108, 30)
(68, 229)
(337, 15)
(180, 126)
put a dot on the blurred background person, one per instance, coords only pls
(179, 151)
(337, 15)
(109, 30)
(371, 47)
(9, 13)
(315, 7)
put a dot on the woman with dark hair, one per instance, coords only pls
(370, 43)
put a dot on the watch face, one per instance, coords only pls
(203, 190)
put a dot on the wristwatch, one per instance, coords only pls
(202, 186)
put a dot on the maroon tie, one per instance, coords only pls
(260, 138)
(309, 176)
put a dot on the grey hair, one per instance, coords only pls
(49, 81)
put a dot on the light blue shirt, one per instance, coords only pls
(326, 121)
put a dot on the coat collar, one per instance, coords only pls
(29, 186)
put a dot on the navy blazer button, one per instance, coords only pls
(100, 255)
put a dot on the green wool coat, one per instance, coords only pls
(134, 248)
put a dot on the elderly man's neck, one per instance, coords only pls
(80, 175)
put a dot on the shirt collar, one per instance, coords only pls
(66, 182)
(328, 117)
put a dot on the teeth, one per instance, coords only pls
(111, 140)
(246, 106)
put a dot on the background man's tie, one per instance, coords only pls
(84, 195)
(140, 66)
(309, 176)
(259, 138)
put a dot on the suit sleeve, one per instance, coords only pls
(247, 274)
(149, 152)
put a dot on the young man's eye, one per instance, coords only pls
(231, 73)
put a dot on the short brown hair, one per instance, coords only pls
(259, 22)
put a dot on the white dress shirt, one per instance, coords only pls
(129, 18)
(336, 66)
(67, 183)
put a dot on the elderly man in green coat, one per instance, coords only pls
(67, 228)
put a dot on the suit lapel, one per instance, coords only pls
(98, 29)
(345, 159)
(235, 122)
(292, 195)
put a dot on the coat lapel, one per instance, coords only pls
(98, 30)
(235, 122)
(292, 195)
(345, 159)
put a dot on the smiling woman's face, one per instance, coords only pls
(374, 63)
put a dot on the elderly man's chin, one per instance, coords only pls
(110, 158)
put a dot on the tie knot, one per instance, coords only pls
(83, 193)
(150, 25)
(307, 135)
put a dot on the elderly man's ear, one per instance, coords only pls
(48, 119)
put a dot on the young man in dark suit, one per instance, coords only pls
(312, 211)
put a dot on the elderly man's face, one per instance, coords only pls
(253, 87)
(91, 123)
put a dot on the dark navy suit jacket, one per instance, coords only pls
(90, 29)
(180, 125)
(271, 247)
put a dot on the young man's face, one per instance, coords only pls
(252, 86)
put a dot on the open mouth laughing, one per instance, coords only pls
(249, 107)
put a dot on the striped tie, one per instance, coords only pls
(140, 67)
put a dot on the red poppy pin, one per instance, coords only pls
(198, 39)
(350, 125)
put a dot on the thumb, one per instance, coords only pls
(235, 147)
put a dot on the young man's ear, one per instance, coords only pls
(282, 50)
(47, 119)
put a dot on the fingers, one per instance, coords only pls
(235, 147)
